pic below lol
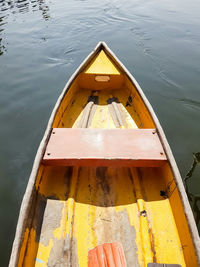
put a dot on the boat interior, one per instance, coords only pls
(76, 208)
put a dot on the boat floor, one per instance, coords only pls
(100, 109)
(78, 208)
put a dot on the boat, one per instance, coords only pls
(104, 179)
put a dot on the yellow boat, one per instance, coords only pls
(116, 181)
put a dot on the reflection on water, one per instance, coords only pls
(2, 47)
(19, 6)
(25, 6)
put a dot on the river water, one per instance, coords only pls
(42, 42)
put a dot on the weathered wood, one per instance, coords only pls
(162, 265)
(104, 147)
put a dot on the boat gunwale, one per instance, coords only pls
(27, 199)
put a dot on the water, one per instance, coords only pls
(42, 42)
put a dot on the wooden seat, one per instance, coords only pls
(104, 147)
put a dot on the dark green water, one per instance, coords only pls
(43, 42)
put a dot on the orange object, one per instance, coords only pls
(104, 147)
(107, 255)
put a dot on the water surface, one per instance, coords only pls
(42, 42)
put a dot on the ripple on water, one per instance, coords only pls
(190, 103)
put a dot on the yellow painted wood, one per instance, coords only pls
(23, 247)
(162, 226)
(180, 220)
(102, 64)
(31, 248)
(43, 254)
(133, 117)
(88, 81)
(146, 247)
(139, 106)
(66, 103)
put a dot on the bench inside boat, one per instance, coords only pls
(104, 147)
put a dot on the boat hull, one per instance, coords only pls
(66, 211)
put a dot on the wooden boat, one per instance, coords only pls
(104, 173)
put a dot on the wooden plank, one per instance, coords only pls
(104, 147)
